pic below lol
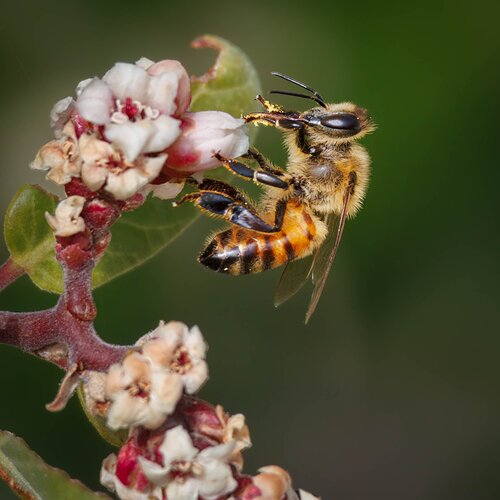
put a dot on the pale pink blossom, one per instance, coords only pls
(205, 133)
(188, 473)
(138, 395)
(136, 105)
(67, 221)
(181, 350)
(101, 164)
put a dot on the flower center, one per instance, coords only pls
(181, 469)
(140, 389)
(182, 361)
(132, 110)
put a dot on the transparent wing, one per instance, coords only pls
(325, 255)
(292, 279)
(320, 260)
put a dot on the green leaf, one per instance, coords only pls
(29, 238)
(229, 85)
(139, 235)
(30, 477)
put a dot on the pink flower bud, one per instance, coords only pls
(203, 134)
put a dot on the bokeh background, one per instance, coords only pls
(391, 391)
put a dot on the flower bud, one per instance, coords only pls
(203, 134)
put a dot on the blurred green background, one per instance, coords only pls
(391, 392)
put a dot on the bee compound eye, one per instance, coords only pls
(341, 121)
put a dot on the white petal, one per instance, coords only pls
(195, 377)
(83, 85)
(152, 166)
(126, 410)
(95, 102)
(166, 391)
(304, 495)
(154, 472)
(215, 119)
(177, 446)
(94, 176)
(165, 191)
(216, 481)
(220, 452)
(187, 490)
(162, 91)
(195, 343)
(166, 131)
(127, 80)
(130, 137)
(60, 114)
(144, 63)
(172, 333)
(125, 184)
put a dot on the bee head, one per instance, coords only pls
(343, 122)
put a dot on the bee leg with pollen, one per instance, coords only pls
(260, 176)
(219, 199)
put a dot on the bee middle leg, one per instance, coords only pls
(219, 199)
(266, 175)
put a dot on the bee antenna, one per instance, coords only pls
(317, 97)
(296, 94)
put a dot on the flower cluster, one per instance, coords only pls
(195, 455)
(179, 447)
(131, 130)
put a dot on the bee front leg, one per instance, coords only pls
(219, 199)
(304, 146)
(275, 116)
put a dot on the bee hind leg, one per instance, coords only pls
(219, 199)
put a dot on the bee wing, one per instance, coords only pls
(324, 257)
(292, 279)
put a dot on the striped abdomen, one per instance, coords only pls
(243, 251)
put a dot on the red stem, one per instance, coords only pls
(9, 272)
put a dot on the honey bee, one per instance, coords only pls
(303, 209)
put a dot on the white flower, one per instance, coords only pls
(146, 387)
(135, 105)
(181, 350)
(67, 221)
(207, 133)
(102, 166)
(188, 473)
(139, 396)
